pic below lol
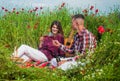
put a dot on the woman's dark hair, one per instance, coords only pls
(58, 24)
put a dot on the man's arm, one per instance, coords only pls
(65, 49)
(85, 43)
(62, 47)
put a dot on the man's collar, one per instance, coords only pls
(81, 32)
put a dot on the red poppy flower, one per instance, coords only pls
(6, 10)
(43, 65)
(37, 14)
(14, 8)
(37, 63)
(35, 26)
(28, 26)
(63, 4)
(101, 29)
(28, 65)
(96, 11)
(17, 12)
(86, 14)
(85, 11)
(3, 8)
(41, 7)
(22, 9)
(36, 7)
(30, 11)
(91, 8)
(7, 45)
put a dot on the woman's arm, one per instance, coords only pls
(41, 41)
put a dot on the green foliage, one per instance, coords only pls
(26, 28)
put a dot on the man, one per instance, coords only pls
(83, 40)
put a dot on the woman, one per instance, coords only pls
(46, 50)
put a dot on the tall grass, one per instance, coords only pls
(26, 28)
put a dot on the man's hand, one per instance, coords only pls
(78, 56)
(61, 62)
(56, 43)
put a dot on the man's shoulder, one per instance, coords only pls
(88, 32)
(85, 32)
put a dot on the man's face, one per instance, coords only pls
(74, 24)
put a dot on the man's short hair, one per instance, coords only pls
(78, 16)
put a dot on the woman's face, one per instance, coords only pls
(54, 29)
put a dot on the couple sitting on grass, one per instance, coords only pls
(52, 49)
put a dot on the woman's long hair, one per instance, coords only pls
(59, 26)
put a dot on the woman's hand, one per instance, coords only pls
(56, 43)
(41, 39)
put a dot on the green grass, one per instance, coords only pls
(26, 28)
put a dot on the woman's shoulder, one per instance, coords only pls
(50, 34)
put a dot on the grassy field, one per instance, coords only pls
(25, 27)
